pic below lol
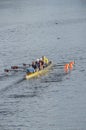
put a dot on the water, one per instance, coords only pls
(28, 30)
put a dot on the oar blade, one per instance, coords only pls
(14, 67)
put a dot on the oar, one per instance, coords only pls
(22, 67)
(17, 67)
(2, 75)
(14, 67)
(15, 70)
(7, 70)
(26, 64)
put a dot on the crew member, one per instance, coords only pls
(45, 60)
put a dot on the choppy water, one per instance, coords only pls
(28, 30)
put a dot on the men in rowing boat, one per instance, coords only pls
(39, 64)
(42, 62)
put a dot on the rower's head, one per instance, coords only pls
(33, 63)
(37, 60)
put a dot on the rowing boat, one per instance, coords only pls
(40, 72)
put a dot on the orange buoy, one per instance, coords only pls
(71, 65)
(72, 62)
(66, 67)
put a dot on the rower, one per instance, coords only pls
(41, 64)
(45, 60)
(30, 70)
(34, 65)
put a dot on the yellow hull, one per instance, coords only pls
(39, 73)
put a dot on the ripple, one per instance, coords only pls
(71, 21)
(5, 112)
(31, 95)
(82, 70)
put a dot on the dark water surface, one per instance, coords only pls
(28, 30)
